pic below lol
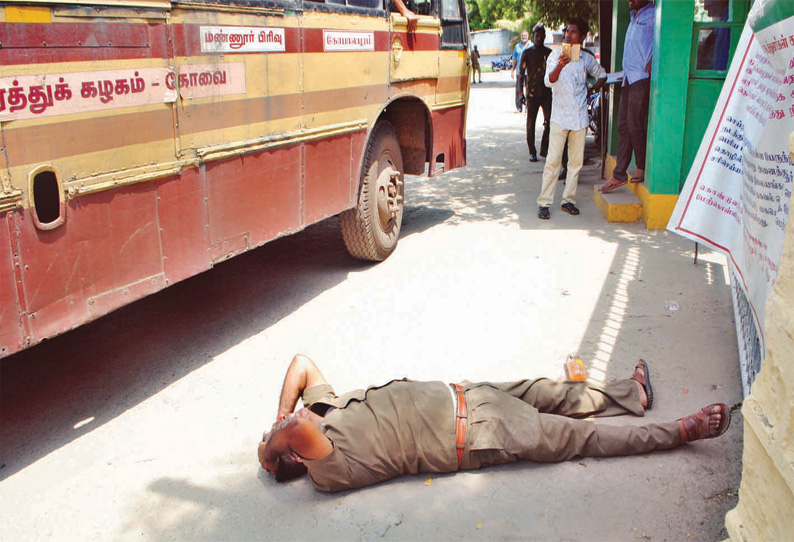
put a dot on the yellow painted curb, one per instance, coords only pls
(656, 209)
(622, 206)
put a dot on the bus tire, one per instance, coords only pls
(371, 229)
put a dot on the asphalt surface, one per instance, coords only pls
(144, 424)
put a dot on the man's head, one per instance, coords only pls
(524, 36)
(538, 35)
(576, 31)
(284, 467)
(475, 47)
(637, 5)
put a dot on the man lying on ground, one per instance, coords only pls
(407, 427)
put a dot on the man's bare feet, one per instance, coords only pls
(712, 421)
(642, 375)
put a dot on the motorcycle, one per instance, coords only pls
(594, 106)
(504, 63)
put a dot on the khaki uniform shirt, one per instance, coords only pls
(403, 427)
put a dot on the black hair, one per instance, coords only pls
(289, 468)
(581, 24)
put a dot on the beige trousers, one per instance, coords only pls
(537, 420)
(557, 138)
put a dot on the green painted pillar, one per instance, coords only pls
(672, 45)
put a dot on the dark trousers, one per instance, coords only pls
(533, 106)
(632, 126)
(519, 105)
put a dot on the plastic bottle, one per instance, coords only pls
(574, 368)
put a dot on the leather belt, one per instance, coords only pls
(460, 420)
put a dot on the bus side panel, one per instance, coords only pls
(184, 225)
(356, 157)
(328, 184)
(253, 199)
(11, 336)
(107, 254)
(448, 126)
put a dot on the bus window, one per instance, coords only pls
(453, 25)
(370, 4)
(423, 7)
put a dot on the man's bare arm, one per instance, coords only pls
(598, 84)
(301, 374)
(413, 18)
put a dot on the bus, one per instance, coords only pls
(144, 141)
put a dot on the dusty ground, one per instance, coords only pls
(143, 425)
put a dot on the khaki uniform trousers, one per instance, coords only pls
(540, 420)
(557, 138)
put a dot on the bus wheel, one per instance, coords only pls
(371, 229)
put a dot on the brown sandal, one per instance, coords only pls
(611, 185)
(696, 426)
(644, 378)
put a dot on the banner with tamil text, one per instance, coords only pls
(738, 192)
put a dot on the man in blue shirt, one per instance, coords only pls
(519, 48)
(634, 95)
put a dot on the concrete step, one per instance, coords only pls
(618, 206)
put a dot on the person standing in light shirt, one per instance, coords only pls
(635, 95)
(519, 48)
(569, 120)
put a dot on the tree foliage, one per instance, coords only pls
(485, 14)
(555, 13)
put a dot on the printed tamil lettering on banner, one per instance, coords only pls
(348, 41)
(737, 194)
(46, 95)
(241, 39)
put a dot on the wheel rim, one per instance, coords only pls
(390, 197)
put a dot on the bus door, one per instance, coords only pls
(414, 56)
(453, 82)
(344, 87)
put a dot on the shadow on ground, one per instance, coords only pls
(40, 387)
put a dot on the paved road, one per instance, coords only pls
(144, 424)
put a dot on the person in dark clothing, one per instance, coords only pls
(532, 69)
(475, 64)
(635, 95)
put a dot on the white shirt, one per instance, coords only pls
(569, 93)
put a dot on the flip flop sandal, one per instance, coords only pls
(644, 380)
(637, 180)
(610, 186)
(696, 426)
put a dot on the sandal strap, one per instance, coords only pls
(692, 429)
